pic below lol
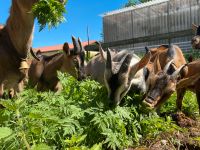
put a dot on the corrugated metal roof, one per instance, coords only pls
(142, 5)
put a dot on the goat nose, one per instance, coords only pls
(148, 100)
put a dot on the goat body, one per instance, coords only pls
(43, 69)
(189, 81)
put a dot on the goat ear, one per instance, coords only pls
(125, 64)
(147, 49)
(194, 27)
(80, 44)
(185, 82)
(142, 63)
(66, 48)
(38, 52)
(35, 55)
(177, 72)
(76, 45)
(102, 53)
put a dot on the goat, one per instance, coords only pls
(163, 72)
(189, 81)
(43, 70)
(15, 41)
(118, 72)
(196, 39)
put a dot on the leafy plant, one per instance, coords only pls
(78, 117)
(49, 12)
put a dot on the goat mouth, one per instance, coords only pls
(149, 102)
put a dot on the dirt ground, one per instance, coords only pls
(188, 139)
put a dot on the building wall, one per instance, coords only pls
(152, 24)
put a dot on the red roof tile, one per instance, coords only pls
(60, 46)
(1, 26)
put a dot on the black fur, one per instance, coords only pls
(171, 51)
(198, 31)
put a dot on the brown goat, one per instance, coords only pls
(43, 71)
(162, 74)
(15, 41)
(189, 81)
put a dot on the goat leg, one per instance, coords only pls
(1, 90)
(1, 94)
(179, 100)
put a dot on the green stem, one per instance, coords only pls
(23, 135)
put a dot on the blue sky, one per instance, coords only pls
(80, 14)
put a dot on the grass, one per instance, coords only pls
(189, 106)
(79, 118)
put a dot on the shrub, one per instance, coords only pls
(76, 118)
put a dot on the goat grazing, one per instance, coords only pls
(118, 72)
(43, 70)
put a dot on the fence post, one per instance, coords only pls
(168, 23)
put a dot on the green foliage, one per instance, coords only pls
(135, 2)
(49, 12)
(77, 118)
(192, 52)
(152, 125)
(5, 132)
(189, 104)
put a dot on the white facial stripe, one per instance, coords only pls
(134, 60)
(118, 93)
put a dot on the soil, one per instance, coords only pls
(188, 139)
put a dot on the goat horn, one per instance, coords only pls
(33, 54)
(167, 65)
(147, 49)
(126, 63)
(175, 74)
(80, 44)
(76, 45)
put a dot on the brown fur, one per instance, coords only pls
(190, 81)
(43, 73)
(160, 83)
(156, 50)
(15, 41)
